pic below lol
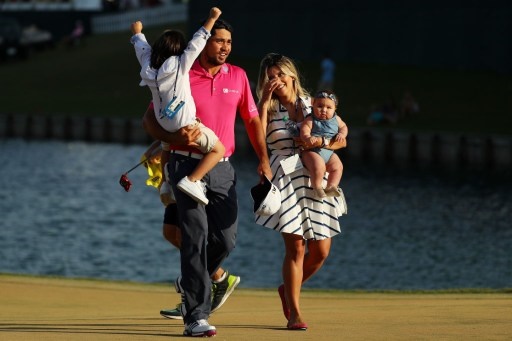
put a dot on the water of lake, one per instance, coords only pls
(64, 213)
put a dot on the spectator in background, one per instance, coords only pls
(328, 67)
(390, 112)
(386, 113)
(76, 35)
(408, 105)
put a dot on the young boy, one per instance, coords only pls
(165, 68)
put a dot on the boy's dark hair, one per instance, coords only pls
(219, 25)
(170, 43)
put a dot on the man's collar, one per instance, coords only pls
(224, 69)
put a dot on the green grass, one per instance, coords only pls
(9, 276)
(101, 78)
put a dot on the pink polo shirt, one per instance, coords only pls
(218, 99)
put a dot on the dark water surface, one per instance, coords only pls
(64, 213)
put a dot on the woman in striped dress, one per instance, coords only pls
(305, 222)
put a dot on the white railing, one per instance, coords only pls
(165, 14)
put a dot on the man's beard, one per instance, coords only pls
(214, 61)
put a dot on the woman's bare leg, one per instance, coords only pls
(293, 273)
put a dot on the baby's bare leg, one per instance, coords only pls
(335, 169)
(316, 167)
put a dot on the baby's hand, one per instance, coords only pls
(136, 27)
(215, 13)
(313, 140)
(339, 137)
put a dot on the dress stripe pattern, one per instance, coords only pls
(301, 213)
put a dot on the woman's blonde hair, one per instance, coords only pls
(287, 66)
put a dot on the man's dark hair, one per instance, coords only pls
(219, 25)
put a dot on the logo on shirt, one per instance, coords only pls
(226, 91)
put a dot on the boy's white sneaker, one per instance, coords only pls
(195, 189)
(199, 328)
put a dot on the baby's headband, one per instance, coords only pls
(323, 94)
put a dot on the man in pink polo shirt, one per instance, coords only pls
(220, 90)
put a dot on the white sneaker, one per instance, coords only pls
(195, 189)
(199, 328)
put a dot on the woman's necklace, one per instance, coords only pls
(293, 110)
(298, 115)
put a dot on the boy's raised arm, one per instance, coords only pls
(214, 15)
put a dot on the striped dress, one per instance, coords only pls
(300, 213)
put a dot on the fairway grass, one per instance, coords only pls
(46, 308)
